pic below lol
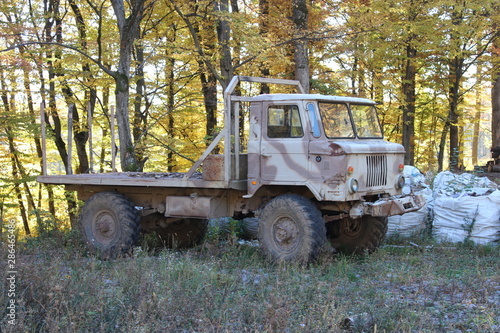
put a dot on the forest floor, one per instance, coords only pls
(225, 285)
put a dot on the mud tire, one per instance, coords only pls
(357, 236)
(291, 229)
(182, 234)
(109, 225)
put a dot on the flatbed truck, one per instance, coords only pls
(314, 170)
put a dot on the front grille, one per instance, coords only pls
(376, 165)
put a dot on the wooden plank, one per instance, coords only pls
(112, 128)
(227, 140)
(89, 127)
(69, 142)
(237, 140)
(204, 155)
(138, 179)
(44, 139)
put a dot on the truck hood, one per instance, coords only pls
(357, 146)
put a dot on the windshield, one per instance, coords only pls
(337, 121)
(366, 121)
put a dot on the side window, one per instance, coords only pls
(283, 121)
(313, 119)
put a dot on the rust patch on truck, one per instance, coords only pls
(336, 149)
(335, 180)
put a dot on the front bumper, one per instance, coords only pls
(389, 206)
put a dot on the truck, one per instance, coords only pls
(312, 169)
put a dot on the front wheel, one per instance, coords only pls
(357, 236)
(291, 228)
(109, 224)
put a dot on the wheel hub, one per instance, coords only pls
(352, 227)
(285, 232)
(104, 227)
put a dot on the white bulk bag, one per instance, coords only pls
(411, 223)
(454, 215)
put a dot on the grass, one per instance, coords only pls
(228, 287)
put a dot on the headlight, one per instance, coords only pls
(352, 185)
(400, 182)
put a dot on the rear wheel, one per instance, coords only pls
(109, 224)
(291, 228)
(357, 236)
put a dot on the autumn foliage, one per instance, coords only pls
(162, 65)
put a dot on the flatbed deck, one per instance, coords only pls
(142, 179)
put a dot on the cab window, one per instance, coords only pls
(283, 121)
(336, 120)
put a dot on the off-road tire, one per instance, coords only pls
(182, 234)
(291, 229)
(109, 224)
(357, 236)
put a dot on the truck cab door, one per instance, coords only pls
(284, 145)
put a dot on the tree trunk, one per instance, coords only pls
(208, 78)
(301, 54)
(36, 137)
(128, 159)
(263, 31)
(170, 91)
(442, 147)
(477, 117)
(224, 36)
(16, 174)
(170, 104)
(140, 102)
(495, 111)
(495, 94)
(409, 106)
(80, 129)
(495, 90)
(456, 72)
(105, 109)
(52, 16)
(209, 89)
(16, 180)
(80, 136)
(128, 28)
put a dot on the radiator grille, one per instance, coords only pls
(377, 170)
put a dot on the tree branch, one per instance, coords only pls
(98, 63)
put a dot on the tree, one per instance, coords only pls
(301, 54)
(467, 25)
(128, 27)
(495, 90)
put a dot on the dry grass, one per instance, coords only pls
(228, 287)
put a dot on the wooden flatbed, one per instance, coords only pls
(142, 179)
